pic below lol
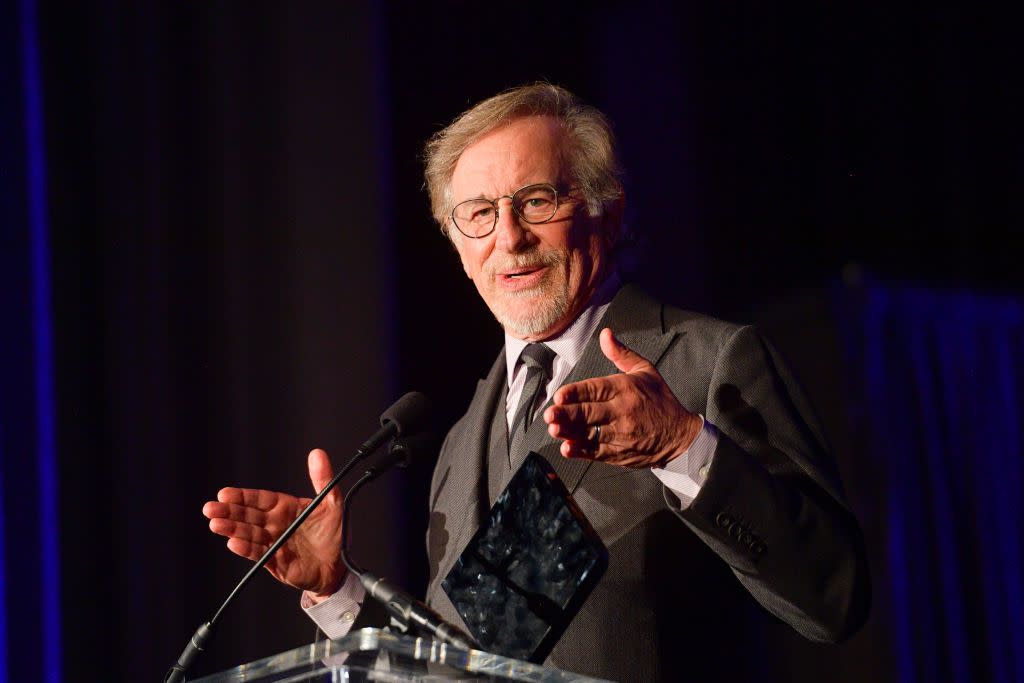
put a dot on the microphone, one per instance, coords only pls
(408, 609)
(407, 415)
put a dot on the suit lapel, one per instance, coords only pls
(463, 495)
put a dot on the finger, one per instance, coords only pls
(576, 420)
(588, 390)
(247, 549)
(582, 448)
(238, 513)
(321, 472)
(212, 508)
(241, 531)
(256, 498)
(624, 358)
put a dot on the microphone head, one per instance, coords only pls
(409, 414)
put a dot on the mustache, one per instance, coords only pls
(503, 263)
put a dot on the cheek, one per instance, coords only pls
(472, 258)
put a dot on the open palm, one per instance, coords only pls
(252, 519)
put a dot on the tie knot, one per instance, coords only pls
(538, 356)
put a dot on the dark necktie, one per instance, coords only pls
(538, 359)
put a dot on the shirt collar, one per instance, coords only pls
(569, 345)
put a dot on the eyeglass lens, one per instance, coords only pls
(533, 203)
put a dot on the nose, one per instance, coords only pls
(512, 234)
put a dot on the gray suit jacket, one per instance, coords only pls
(770, 521)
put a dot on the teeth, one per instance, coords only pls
(519, 273)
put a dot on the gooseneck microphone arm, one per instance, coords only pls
(400, 605)
(350, 564)
(404, 416)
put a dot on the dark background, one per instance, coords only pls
(243, 264)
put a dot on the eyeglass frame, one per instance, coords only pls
(497, 210)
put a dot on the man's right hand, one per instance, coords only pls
(252, 519)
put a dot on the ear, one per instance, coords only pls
(611, 221)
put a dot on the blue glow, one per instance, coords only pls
(42, 329)
(3, 576)
(942, 409)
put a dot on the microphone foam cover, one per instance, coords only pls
(410, 414)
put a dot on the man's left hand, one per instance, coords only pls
(642, 423)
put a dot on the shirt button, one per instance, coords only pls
(703, 472)
(348, 616)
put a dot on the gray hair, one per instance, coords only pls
(590, 152)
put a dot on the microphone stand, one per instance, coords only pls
(200, 640)
(403, 608)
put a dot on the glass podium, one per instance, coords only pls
(375, 655)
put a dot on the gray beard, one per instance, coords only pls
(544, 317)
(552, 307)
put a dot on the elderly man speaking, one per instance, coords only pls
(683, 439)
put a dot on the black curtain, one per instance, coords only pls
(244, 267)
(225, 302)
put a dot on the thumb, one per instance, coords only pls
(320, 470)
(624, 358)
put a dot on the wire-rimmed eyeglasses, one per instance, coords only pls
(536, 203)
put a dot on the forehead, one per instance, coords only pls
(525, 151)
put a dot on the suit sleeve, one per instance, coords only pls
(771, 505)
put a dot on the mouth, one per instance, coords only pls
(521, 278)
(520, 273)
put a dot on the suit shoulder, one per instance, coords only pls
(701, 328)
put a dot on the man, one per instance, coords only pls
(683, 439)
